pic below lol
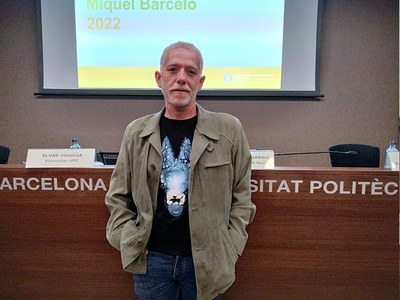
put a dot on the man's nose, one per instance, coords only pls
(181, 77)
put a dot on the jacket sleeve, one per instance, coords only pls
(119, 196)
(242, 210)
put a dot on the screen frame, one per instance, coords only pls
(221, 94)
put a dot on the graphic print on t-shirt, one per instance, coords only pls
(175, 176)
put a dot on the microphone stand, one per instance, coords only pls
(316, 152)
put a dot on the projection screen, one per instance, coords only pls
(250, 48)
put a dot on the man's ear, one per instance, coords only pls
(157, 76)
(201, 81)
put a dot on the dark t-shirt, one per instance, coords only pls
(170, 233)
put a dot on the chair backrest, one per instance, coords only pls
(361, 156)
(109, 158)
(4, 154)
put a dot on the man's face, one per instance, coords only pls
(180, 78)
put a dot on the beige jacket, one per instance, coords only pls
(220, 207)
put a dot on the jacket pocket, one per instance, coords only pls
(224, 257)
(231, 251)
(132, 235)
(216, 164)
(132, 244)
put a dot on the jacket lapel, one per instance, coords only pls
(152, 130)
(204, 135)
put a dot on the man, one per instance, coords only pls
(179, 195)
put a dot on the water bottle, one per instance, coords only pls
(392, 148)
(75, 144)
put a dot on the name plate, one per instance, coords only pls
(394, 160)
(262, 159)
(60, 158)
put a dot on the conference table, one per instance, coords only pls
(319, 233)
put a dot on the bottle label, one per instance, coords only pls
(392, 162)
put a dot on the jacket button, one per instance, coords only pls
(152, 167)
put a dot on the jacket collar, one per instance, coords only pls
(205, 124)
(153, 124)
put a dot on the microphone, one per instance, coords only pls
(353, 153)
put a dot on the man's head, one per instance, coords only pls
(180, 79)
(183, 45)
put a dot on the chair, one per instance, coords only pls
(109, 158)
(359, 156)
(4, 154)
